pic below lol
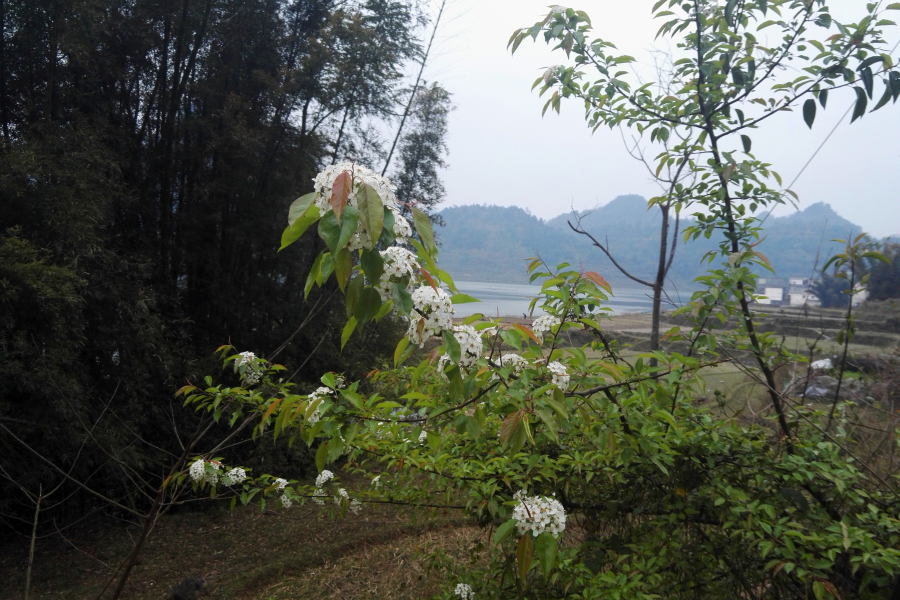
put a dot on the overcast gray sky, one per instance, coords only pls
(503, 152)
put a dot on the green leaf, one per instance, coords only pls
(452, 345)
(313, 275)
(372, 265)
(387, 234)
(299, 207)
(402, 299)
(809, 112)
(823, 98)
(884, 97)
(462, 299)
(348, 331)
(545, 547)
(552, 428)
(524, 554)
(348, 226)
(354, 291)
(861, 101)
(371, 212)
(504, 530)
(423, 228)
(868, 80)
(473, 427)
(893, 6)
(367, 306)
(297, 226)
(748, 143)
(343, 267)
(330, 231)
(322, 456)
(402, 345)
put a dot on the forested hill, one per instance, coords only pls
(490, 243)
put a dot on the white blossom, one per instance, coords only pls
(544, 323)
(464, 591)
(319, 393)
(423, 437)
(280, 483)
(401, 267)
(324, 477)
(355, 506)
(213, 477)
(319, 497)
(437, 309)
(236, 476)
(513, 360)
(557, 9)
(197, 470)
(377, 481)
(285, 501)
(538, 514)
(245, 358)
(470, 344)
(324, 182)
(341, 495)
(560, 375)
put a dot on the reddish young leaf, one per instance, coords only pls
(429, 279)
(509, 426)
(433, 355)
(527, 332)
(340, 191)
(598, 279)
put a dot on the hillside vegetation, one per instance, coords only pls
(490, 243)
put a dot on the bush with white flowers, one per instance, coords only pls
(537, 514)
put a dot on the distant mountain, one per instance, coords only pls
(491, 243)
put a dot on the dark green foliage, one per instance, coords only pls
(830, 290)
(149, 152)
(422, 150)
(884, 279)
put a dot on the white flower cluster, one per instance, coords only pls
(470, 344)
(560, 375)
(280, 483)
(513, 360)
(538, 514)
(324, 477)
(423, 437)
(319, 497)
(324, 181)
(464, 591)
(436, 305)
(544, 323)
(253, 374)
(319, 393)
(557, 9)
(377, 481)
(235, 476)
(197, 470)
(285, 501)
(400, 266)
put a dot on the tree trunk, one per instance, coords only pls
(37, 513)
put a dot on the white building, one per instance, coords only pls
(772, 290)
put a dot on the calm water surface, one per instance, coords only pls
(507, 299)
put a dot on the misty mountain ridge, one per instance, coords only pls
(490, 243)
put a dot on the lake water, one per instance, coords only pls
(511, 300)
